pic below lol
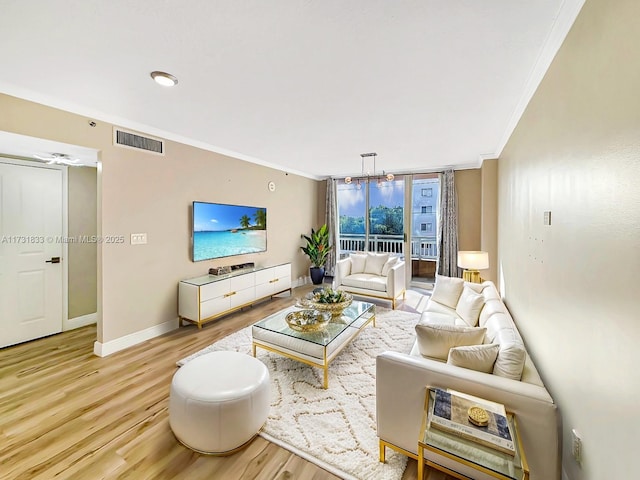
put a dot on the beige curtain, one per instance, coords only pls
(448, 227)
(331, 219)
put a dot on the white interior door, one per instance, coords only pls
(31, 229)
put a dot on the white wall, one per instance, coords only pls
(572, 286)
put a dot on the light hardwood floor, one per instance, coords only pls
(67, 414)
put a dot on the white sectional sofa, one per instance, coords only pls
(378, 275)
(446, 354)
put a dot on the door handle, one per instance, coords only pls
(53, 260)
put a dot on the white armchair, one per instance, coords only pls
(378, 275)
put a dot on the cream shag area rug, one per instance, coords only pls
(333, 428)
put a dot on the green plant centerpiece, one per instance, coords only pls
(332, 301)
(317, 249)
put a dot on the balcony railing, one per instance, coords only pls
(422, 248)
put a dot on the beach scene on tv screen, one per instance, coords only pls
(225, 230)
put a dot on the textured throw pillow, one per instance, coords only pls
(447, 290)
(389, 265)
(469, 306)
(474, 357)
(357, 262)
(435, 340)
(375, 262)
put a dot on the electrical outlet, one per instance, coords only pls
(576, 446)
(547, 218)
(138, 238)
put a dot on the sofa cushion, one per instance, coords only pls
(358, 262)
(491, 307)
(386, 268)
(439, 308)
(469, 306)
(498, 321)
(435, 340)
(475, 357)
(476, 287)
(512, 355)
(366, 281)
(375, 262)
(447, 290)
(438, 318)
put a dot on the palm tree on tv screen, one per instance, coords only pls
(245, 221)
(261, 218)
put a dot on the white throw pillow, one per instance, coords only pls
(435, 340)
(447, 290)
(469, 306)
(357, 262)
(375, 262)
(475, 357)
(389, 265)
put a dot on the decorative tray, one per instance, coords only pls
(308, 320)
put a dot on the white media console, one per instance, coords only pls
(208, 297)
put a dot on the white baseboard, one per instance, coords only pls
(104, 349)
(81, 321)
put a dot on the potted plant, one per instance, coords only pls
(317, 249)
(330, 300)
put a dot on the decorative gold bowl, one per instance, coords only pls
(307, 320)
(335, 309)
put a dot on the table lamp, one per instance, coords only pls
(471, 262)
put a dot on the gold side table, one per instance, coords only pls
(456, 450)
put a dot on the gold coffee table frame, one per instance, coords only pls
(355, 317)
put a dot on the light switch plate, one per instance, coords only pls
(547, 218)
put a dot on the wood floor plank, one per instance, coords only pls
(67, 414)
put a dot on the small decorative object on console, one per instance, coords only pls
(220, 270)
(478, 416)
(307, 320)
(332, 301)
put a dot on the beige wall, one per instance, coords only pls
(140, 192)
(572, 286)
(83, 256)
(469, 189)
(489, 218)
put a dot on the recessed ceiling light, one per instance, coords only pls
(164, 79)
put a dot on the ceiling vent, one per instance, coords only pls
(123, 138)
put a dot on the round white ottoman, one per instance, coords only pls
(219, 401)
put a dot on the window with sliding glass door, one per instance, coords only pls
(377, 216)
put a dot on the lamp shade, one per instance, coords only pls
(473, 260)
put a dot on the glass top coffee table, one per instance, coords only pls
(317, 349)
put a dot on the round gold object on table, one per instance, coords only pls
(307, 320)
(478, 416)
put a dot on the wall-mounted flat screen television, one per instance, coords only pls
(221, 230)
